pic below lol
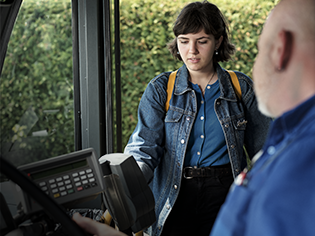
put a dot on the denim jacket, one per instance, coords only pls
(160, 138)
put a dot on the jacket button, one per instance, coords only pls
(168, 207)
(175, 186)
(218, 103)
(182, 141)
(232, 146)
(226, 126)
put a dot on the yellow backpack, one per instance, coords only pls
(171, 81)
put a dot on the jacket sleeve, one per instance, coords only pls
(256, 135)
(146, 143)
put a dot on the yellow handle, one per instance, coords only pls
(108, 219)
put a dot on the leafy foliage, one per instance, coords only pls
(36, 90)
(36, 82)
(146, 28)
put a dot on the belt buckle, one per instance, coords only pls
(186, 168)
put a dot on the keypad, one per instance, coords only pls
(70, 183)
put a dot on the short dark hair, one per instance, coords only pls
(206, 16)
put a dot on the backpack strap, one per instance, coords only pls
(171, 82)
(170, 87)
(236, 84)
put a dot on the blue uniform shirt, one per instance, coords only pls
(206, 144)
(277, 197)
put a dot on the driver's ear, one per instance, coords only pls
(283, 49)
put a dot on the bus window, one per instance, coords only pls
(36, 87)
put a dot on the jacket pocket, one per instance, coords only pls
(173, 116)
(240, 124)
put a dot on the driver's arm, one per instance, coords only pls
(94, 227)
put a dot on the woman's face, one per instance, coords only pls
(196, 50)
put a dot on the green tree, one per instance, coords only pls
(146, 28)
(36, 90)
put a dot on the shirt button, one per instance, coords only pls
(218, 103)
(202, 118)
(182, 141)
(159, 227)
(232, 146)
(202, 102)
(175, 186)
(201, 136)
(198, 153)
(226, 126)
(188, 118)
(271, 150)
(168, 207)
(208, 87)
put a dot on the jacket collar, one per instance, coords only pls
(226, 87)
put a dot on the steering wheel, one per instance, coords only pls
(47, 203)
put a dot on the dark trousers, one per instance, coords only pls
(197, 205)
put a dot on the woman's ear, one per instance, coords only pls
(218, 42)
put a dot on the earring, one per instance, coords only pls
(216, 52)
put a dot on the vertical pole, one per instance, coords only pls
(118, 77)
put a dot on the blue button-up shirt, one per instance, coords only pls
(206, 145)
(277, 197)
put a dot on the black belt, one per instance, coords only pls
(192, 172)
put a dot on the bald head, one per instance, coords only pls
(297, 16)
(285, 66)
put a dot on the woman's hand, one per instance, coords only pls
(94, 227)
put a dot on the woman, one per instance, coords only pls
(191, 153)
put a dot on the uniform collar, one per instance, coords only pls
(292, 121)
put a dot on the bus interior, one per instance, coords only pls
(58, 159)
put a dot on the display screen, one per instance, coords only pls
(58, 170)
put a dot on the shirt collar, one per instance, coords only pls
(292, 121)
(226, 87)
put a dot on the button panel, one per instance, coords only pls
(64, 185)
